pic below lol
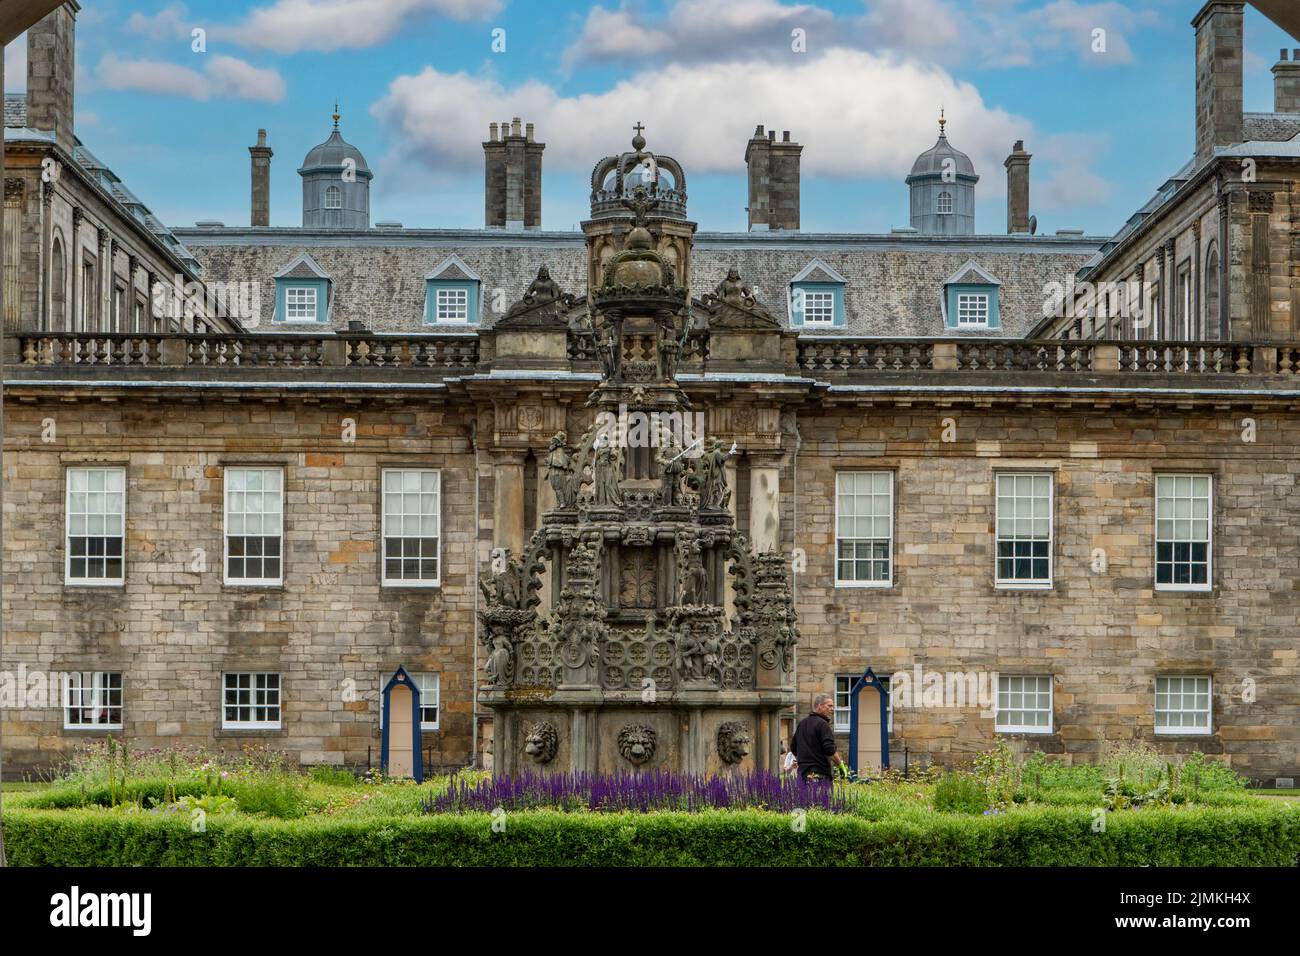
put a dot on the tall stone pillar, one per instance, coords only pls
(508, 501)
(545, 502)
(728, 598)
(765, 501)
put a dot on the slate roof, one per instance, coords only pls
(1270, 126)
(893, 283)
(129, 205)
(15, 109)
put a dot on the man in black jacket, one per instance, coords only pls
(813, 742)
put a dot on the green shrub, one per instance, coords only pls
(276, 795)
(960, 793)
(332, 776)
(1260, 834)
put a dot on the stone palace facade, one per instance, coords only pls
(1052, 536)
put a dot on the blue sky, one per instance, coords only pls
(419, 80)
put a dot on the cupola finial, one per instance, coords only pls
(336, 113)
(942, 121)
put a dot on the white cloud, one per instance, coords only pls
(697, 30)
(993, 33)
(16, 64)
(859, 114)
(223, 76)
(290, 26)
(1070, 183)
(172, 22)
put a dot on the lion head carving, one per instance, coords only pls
(734, 741)
(636, 742)
(542, 742)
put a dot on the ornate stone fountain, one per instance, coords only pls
(638, 663)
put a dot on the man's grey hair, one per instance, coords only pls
(820, 699)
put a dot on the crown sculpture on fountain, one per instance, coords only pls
(637, 550)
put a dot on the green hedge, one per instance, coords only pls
(1265, 835)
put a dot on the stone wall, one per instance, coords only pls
(1104, 636)
(173, 631)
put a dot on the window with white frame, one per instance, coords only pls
(254, 523)
(864, 528)
(92, 700)
(300, 304)
(1024, 528)
(818, 307)
(943, 204)
(972, 308)
(250, 701)
(1024, 704)
(844, 702)
(430, 698)
(451, 305)
(411, 526)
(95, 520)
(1182, 705)
(333, 197)
(430, 686)
(1183, 533)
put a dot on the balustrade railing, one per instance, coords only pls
(829, 355)
(826, 354)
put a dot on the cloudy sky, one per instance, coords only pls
(1102, 93)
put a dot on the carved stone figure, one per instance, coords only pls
(695, 581)
(500, 665)
(506, 587)
(690, 655)
(734, 292)
(608, 473)
(714, 492)
(636, 742)
(542, 742)
(734, 742)
(560, 470)
(542, 289)
(711, 656)
(672, 465)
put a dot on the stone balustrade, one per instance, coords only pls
(831, 356)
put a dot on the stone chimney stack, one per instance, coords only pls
(1286, 83)
(1218, 76)
(773, 180)
(51, 66)
(512, 177)
(1018, 188)
(261, 204)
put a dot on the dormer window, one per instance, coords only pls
(451, 304)
(973, 309)
(817, 297)
(943, 204)
(969, 300)
(302, 293)
(452, 294)
(300, 304)
(333, 197)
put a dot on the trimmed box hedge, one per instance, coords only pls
(1264, 835)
